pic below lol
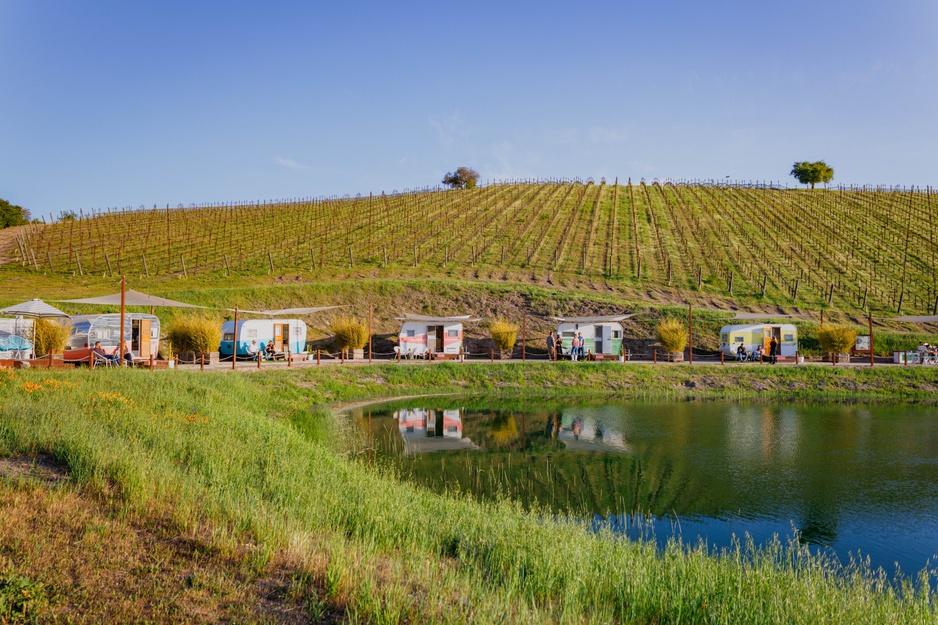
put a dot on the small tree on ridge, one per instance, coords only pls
(462, 178)
(812, 173)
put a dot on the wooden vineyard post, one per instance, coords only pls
(78, 262)
(312, 258)
(524, 328)
(182, 259)
(270, 261)
(107, 259)
(764, 278)
(690, 329)
(351, 259)
(385, 257)
(234, 341)
(227, 267)
(146, 269)
(49, 257)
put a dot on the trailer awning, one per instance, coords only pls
(131, 298)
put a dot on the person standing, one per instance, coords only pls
(582, 344)
(773, 351)
(551, 347)
(574, 348)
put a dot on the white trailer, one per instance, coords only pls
(141, 334)
(432, 337)
(286, 334)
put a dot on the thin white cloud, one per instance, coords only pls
(448, 127)
(289, 163)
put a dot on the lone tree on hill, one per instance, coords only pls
(12, 215)
(463, 178)
(812, 173)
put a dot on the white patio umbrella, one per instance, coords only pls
(34, 308)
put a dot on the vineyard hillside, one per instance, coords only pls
(851, 249)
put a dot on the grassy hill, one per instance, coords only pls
(849, 249)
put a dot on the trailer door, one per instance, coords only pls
(278, 337)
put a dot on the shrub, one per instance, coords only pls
(504, 333)
(672, 335)
(838, 339)
(350, 333)
(49, 336)
(194, 334)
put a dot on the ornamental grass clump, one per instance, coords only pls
(350, 333)
(48, 335)
(194, 333)
(504, 333)
(836, 339)
(672, 335)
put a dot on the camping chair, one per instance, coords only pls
(100, 360)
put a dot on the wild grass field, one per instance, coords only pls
(175, 496)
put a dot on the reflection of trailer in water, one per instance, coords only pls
(436, 337)
(585, 433)
(424, 430)
(141, 332)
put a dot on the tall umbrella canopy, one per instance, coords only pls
(34, 308)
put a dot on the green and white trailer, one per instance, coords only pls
(751, 336)
(602, 335)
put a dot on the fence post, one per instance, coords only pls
(655, 355)
(289, 357)
(721, 358)
(492, 354)
(260, 356)
(318, 356)
(342, 351)
(151, 361)
(202, 361)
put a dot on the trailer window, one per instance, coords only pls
(789, 338)
(410, 333)
(724, 338)
(453, 333)
(569, 335)
(229, 336)
(738, 339)
(617, 334)
(251, 333)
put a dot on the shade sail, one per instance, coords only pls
(131, 298)
(753, 316)
(606, 319)
(34, 308)
(430, 319)
(287, 311)
(919, 319)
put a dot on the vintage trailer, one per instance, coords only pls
(602, 335)
(422, 336)
(285, 333)
(141, 334)
(752, 335)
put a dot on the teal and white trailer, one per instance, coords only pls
(602, 335)
(752, 335)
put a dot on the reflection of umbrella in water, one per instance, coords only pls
(13, 342)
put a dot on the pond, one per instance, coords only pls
(854, 479)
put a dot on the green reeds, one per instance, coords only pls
(209, 452)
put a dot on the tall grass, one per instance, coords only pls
(194, 333)
(504, 333)
(197, 448)
(837, 339)
(350, 333)
(672, 335)
(49, 335)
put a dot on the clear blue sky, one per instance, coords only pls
(128, 103)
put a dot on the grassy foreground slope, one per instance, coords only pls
(248, 474)
(851, 248)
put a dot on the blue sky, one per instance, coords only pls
(129, 103)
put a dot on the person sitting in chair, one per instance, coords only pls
(99, 353)
(741, 353)
(270, 350)
(253, 350)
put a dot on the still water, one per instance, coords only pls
(849, 479)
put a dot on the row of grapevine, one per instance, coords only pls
(852, 247)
